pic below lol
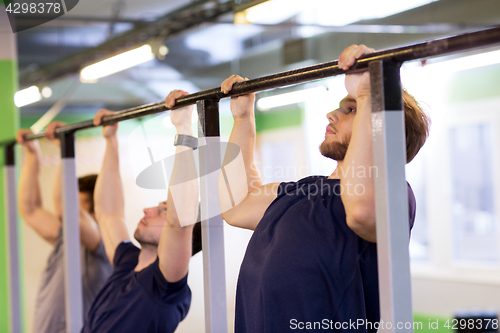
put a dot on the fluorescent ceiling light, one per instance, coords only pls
(46, 92)
(117, 63)
(221, 42)
(336, 13)
(427, 80)
(467, 62)
(163, 50)
(27, 96)
(293, 97)
(327, 12)
(274, 11)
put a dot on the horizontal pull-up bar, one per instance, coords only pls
(399, 55)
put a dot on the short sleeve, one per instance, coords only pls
(100, 252)
(153, 280)
(126, 255)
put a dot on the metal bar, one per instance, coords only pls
(391, 195)
(71, 236)
(418, 51)
(13, 240)
(212, 226)
(430, 28)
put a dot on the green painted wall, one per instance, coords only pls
(8, 127)
(475, 84)
(430, 323)
(280, 118)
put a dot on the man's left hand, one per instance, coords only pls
(357, 85)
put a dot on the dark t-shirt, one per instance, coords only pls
(303, 265)
(138, 301)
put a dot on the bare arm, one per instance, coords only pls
(89, 232)
(90, 237)
(57, 185)
(359, 205)
(248, 213)
(174, 250)
(57, 193)
(243, 197)
(108, 194)
(42, 221)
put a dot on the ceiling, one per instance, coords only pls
(203, 54)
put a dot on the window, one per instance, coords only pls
(472, 196)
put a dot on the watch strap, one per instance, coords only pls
(186, 140)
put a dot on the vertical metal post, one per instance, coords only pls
(13, 237)
(389, 157)
(212, 225)
(71, 236)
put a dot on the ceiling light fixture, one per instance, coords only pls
(46, 92)
(324, 12)
(163, 50)
(293, 97)
(467, 62)
(27, 96)
(117, 63)
(271, 12)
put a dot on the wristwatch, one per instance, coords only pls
(186, 140)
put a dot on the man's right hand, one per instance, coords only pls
(30, 145)
(50, 131)
(108, 131)
(241, 106)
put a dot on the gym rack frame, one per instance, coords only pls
(389, 154)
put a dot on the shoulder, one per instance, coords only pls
(126, 254)
(155, 284)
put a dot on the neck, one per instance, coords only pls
(147, 256)
(338, 171)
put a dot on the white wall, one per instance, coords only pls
(443, 297)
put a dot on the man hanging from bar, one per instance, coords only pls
(311, 263)
(49, 313)
(148, 290)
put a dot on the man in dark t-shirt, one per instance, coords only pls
(311, 264)
(148, 290)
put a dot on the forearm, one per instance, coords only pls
(237, 181)
(89, 232)
(357, 180)
(57, 192)
(183, 192)
(30, 204)
(108, 194)
(29, 192)
(175, 245)
(243, 135)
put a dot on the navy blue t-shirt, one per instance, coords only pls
(137, 301)
(303, 265)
